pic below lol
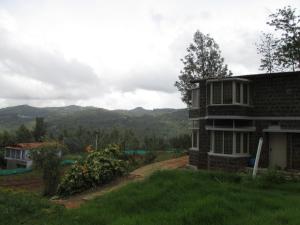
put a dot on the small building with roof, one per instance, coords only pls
(18, 155)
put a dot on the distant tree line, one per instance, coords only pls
(79, 139)
(127, 139)
(23, 134)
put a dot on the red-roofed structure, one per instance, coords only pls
(17, 155)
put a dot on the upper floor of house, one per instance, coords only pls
(259, 95)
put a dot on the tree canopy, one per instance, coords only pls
(203, 60)
(281, 50)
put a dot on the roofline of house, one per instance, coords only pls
(269, 75)
(30, 146)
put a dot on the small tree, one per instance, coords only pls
(284, 50)
(39, 131)
(23, 134)
(47, 159)
(203, 60)
(267, 48)
(287, 23)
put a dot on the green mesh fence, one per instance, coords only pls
(14, 171)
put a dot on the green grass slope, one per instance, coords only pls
(171, 198)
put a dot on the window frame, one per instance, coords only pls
(210, 97)
(197, 90)
(197, 141)
(234, 152)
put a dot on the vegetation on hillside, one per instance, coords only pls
(163, 122)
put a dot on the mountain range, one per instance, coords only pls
(166, 121)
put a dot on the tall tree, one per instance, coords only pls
(286, 45)
(287, 23)
(23, 134)
(203, 60)
(39, 131)
(267, 48)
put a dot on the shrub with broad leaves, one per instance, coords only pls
(98, 168)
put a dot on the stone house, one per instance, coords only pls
(229, 115)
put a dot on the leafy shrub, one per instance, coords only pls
(98, 168)
(270, 178)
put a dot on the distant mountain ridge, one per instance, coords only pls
(165, 121)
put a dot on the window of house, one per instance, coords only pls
(238, 143)
(23, 154)
(18, 154)
(238, 92)
(228, 142)
(195, 124)
(217, 93)
(245, 93)
(13, 153)
(195, 98)
(195, 139)
(218, 142)
(227, 92)
(223, 142)
(7, 153)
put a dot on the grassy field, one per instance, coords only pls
(178, 197)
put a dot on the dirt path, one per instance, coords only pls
(138, 174)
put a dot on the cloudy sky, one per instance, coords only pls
(118, 53)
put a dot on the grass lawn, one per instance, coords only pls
(178, 197)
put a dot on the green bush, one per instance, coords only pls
(270, 178)
(98, 168)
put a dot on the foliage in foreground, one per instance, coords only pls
(172, 197)
(25, 208)
(47, 158)
(98, 168)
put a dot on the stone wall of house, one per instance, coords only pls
(276, 95)
(204, 145)
(293, 156)
(194, 157)
(229, 110)
(202, 86)
(226, 163)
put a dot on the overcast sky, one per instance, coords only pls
(118, 53)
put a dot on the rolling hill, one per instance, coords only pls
(166, 122)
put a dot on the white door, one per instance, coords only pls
(278, 150)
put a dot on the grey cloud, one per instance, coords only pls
(28, 72)
(241, 52)
(155, 78)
